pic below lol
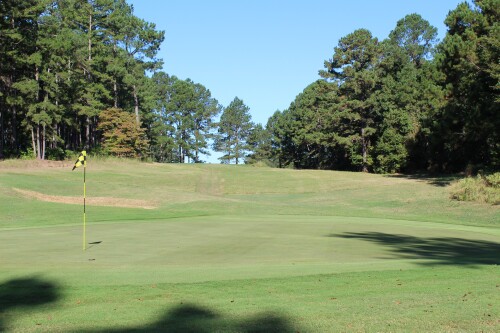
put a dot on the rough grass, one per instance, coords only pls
(484, 189)
(243, 249)
(192, 190)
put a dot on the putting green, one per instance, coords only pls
(212, 248)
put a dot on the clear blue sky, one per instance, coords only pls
(267, 51)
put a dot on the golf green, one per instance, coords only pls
(236, 247)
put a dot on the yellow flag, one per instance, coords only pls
(82, 160)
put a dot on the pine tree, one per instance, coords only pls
(162, 129)
(63, 62)
(204, 115)
(416, 37)
(310, 131)
(406, 96)
(468, 131)
(234, 130)
(352, 69)
(259, 142)
(18, 70)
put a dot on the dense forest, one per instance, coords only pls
(80, 74)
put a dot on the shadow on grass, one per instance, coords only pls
(436, 180)
(191, 318)
(25, 293)
(32, 292)
(439, 251)
(92, 244)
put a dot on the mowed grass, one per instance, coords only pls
(243, 249)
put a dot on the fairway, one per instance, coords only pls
(211, 248)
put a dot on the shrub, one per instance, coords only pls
(55, 154)
(480, 188)
(27, 154)
(493, 180)
(122, 136)
(390, 152)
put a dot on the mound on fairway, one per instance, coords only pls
(242, 249)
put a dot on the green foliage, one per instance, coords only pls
(371, 110)
(27, 154)
(260, 144)
(415, 36)
(183, 119)
(56, 154)
(467, 128)
(480, 188)
(390, 152)
(393, 105)
(315, 130)
(493, 180)
(65, 61)
(234, 131)
(352, 70)
(401, 104)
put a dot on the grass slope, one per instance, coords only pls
(243, 249)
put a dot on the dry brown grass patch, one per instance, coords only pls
(93, 201)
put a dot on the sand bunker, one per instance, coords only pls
(94, 201)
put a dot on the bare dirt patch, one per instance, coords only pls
(94, 201)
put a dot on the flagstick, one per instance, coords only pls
(84, 217)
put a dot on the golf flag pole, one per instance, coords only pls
(82, 160)
(84, 195)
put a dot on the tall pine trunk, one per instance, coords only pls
(38, 155)
(2, 138)
(33, 144)
(87, 131)
(43, 143)
(115, 92)
(90, 39)
(14, 130)
(115, 81)
(87, 120)
(364, 149)
(136, 104)
(237, 148)
(37, 148)
(94, 132)
(55, 132)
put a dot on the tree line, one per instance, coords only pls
(85, 74)
(405, 103)
(63, 62)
